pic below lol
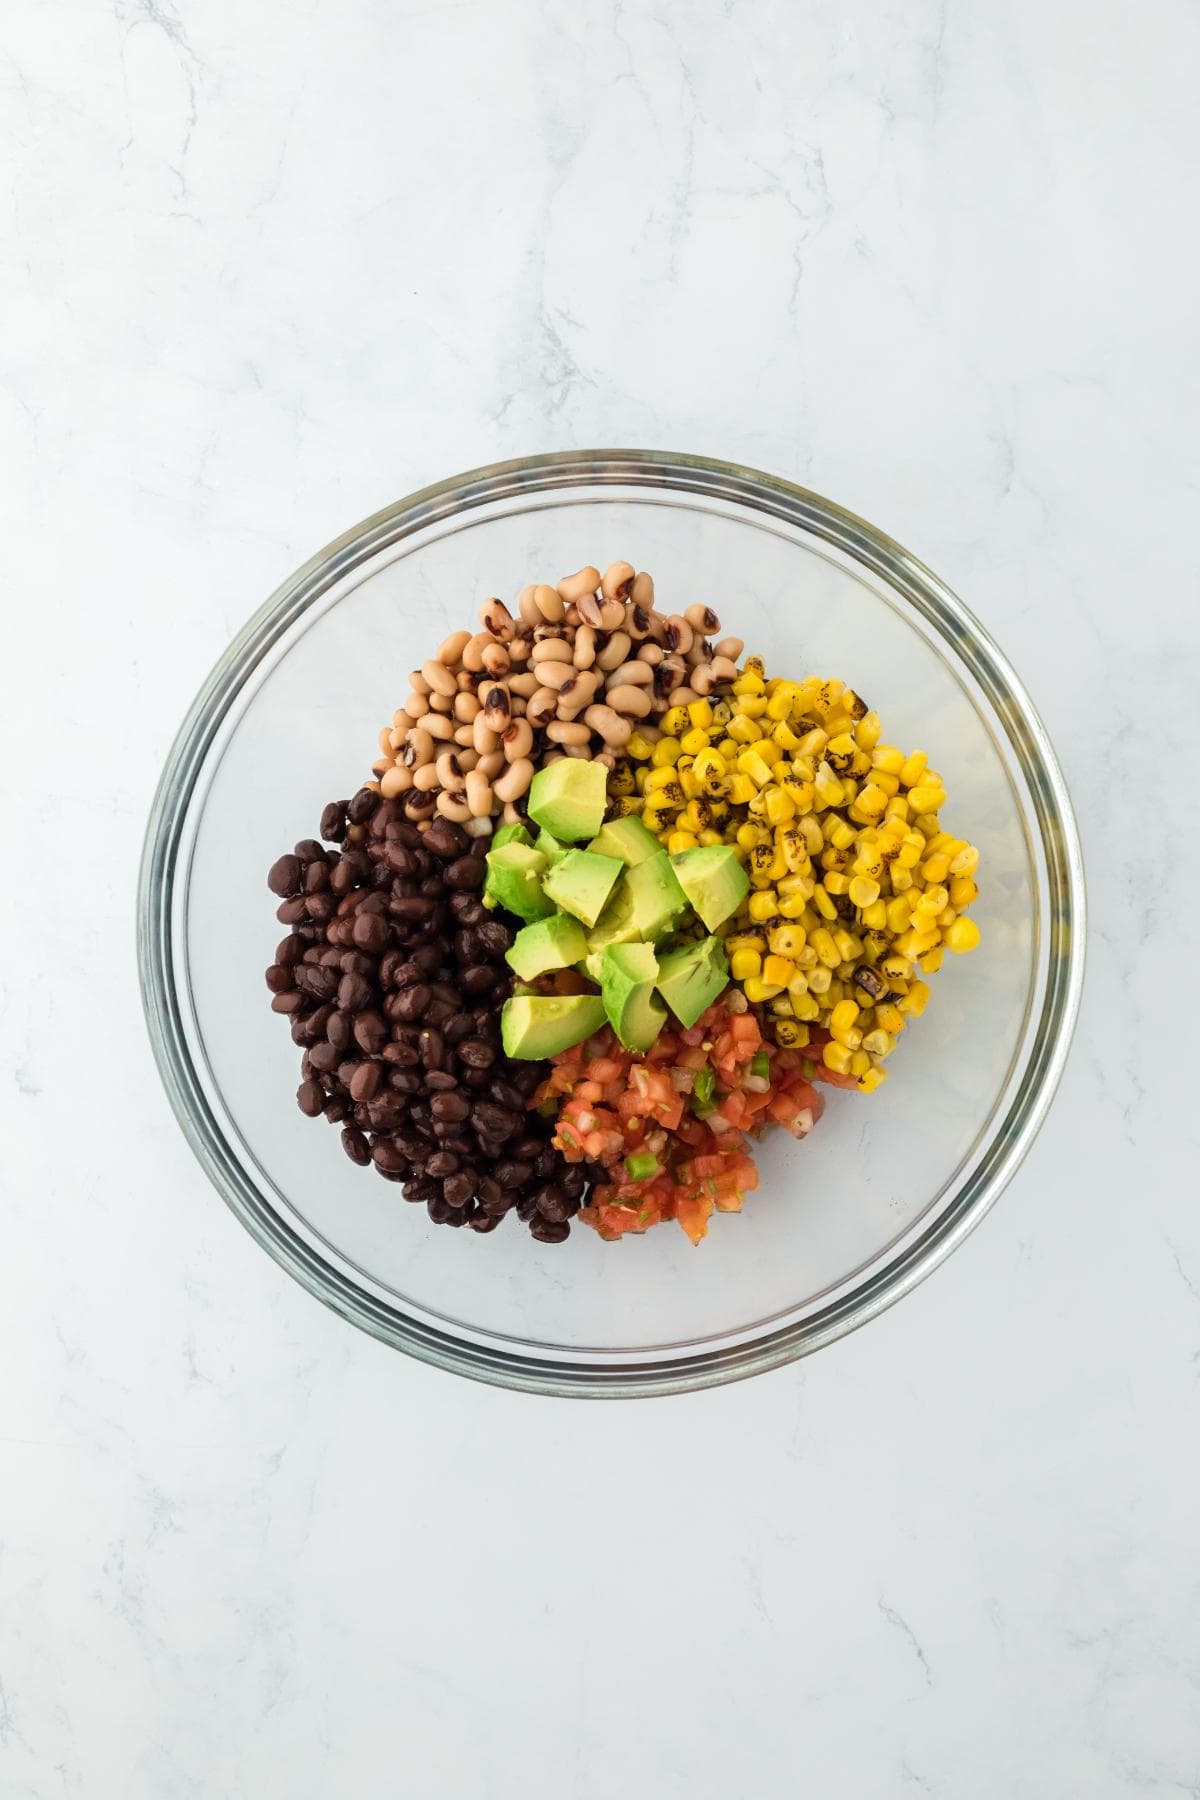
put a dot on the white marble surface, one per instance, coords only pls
(265, 268)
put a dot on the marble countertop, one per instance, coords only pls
(265, 269)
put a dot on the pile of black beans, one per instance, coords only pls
(393, 975)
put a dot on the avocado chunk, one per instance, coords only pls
(627, 838)
(615, 924)
(627, 976)
(514, 881)
(547, 845)
(580, 883)
(567, 798)
(690, 978)
(553, 943)
(533, 1026)
(656, 898)
(713, 880)
(511, 834)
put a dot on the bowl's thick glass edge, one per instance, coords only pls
(940, 607)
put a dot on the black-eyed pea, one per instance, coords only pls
(468, 758)
(464, 734)
(584, 581)
(668, 676)
(577, 693)
(439, 703)
(466, 705)
(517, 741)
(549, 756)
(514, 781)
(608, 725)
(584, 653)
(416, 704)
(425, 779)
(401, 720)
(483, 736)
(380, 767)
(495, 618)
(523, 686)
(550, 648)
(497, 707)
(449, 769)
(437, 725)
(519, 647)
(560, 732)
(541, 706)
(617, 581)
(492, 764)
(549, 602)
(683, 696)
(527, 606)
(642, 590)
(496, 660)
(450, 649)
(616, 651)
(606, 758)
(582, 751)
(472, 656)
(452, 804)
(730, 647)
(555, 674)
(612, 614)
(631, 674)
(678, 634)
(723, 667)
(638, 622)
(479, 795)
(440, 680)
(571, 618)
(702, 619)
(702, 679)
(651, 653)
(418, 747)
(396, 780)
(589, 611)
(634, 702)
(509, 814)
(418, 683)
(385, 739)
(700, 652)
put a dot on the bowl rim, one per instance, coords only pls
(964, 638)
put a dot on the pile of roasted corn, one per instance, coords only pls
(855, 889)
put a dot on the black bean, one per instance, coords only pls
(510, 1173)
(317, 980)
(483, 1221)
(399, 858)
(279, 978)
(289, 1001)
(370, 931)
(550, 1231)
(333, 822)
(465, 872)
(404, 1081)
(477, 1054)
(442, 1163)
(386, 1154)
(450, 1106)
(354, 993)
(371, 1032)
(362, 806)
(408, 1004)
(440, 1081)
(552, 1203)
(310, 1098)
(445, 838)
(353, 1142)
(433, 1048)
(290, 912)
(325, 1057)
(401, 1056)
(479, 978)
(493, 938)
(285, 877)
(364, 1083)
(316, 877)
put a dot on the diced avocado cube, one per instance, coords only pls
(548, 846)
(553, 943)
(567, 798)
(627, 976)
(690, 978)
(514, 881)
(511, 834)
(533, 1026)
(713, 880)
(580, 883)
(627, 838)
(657, 902)
(615, 924)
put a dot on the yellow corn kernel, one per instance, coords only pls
(839, 835)
(863, 892)
(682, 840)
(741, 789)
(785, 737)
(665, 753)
(639, 747)
(819, 979)
(835, 1056)
(722, 712)
(778, 970)
(751, 763)
(870, 802)
(850, 947)
(763, 905)
(744, 964)
(966, 862)
(874, 917)
(927, 800)
(700, 713)
(790, 1034)
(779, 705)
(916, 999)
(781, 1006)
(805, 1006)
(710, 837)
(889, 1018)
(693, 742)
(750, 681)
(743, 730)
(674, 720)
(935, 868)
(933, 901)
(748, 835)
(823, 902)
(962, 891)
(860, 1064)
(868, 731)
(745, 940)
(878, 1043)
(786, 940)
(757, 990)
(931, 962)
(826, 949)
(889, 783)
(874, 1078)
(779, 806)
(897, 808)
(899, 914)
(828, 787)
(887, 758)
(792, 906)
(843, 1016)
(835, 883)
(912, 768)
(962, 936)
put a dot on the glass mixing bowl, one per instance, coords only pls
(843, 1224)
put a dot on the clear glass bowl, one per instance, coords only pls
(843, 1224)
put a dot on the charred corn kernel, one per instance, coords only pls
(674, 720)
(682, 840)
(863, 892)
(962, 936)
(778, 970)
(786, 940)
(870, 802)
(700, 714)
(927, 800)
(750, 681)
(836, 1057)
(912, 768)
(621, 779)
(638, 747)
(878, 1043)
(709, 764)
(744, 964)
(785, 737)
(763, 905)
(966, 862)
(665, 753)
(658, 779)
(867, 732)
(745, 940)
(873, 1079)
(625, 806)
(935, 868)
(962, 891)
(757, 990)
(656, 819)
(916, 999)
(741, 789)
(790, 1034)
(693, 742)
(931, 962)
